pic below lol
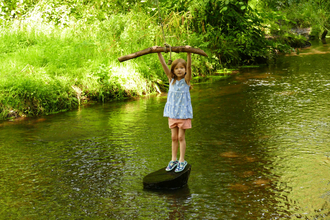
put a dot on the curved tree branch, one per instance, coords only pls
(162, 49)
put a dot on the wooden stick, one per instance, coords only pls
(162, 49)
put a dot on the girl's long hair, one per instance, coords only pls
(176, 62)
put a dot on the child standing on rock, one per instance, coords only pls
(178, 107)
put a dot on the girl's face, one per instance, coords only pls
(179, 71)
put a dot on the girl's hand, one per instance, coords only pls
(187, 46)
(154, 47)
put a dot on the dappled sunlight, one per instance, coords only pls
(261, 182)
(247, 174)
(286, 93)
(264, 137)
(241, 158)
(230, 154)
(263, 79)
(217, 142)
(250, 159)
(129, 79)
(239, 187)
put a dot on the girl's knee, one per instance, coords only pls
(175, 138)
(181, 138)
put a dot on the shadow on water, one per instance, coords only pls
(258, 147)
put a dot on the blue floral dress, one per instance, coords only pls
(178, 105)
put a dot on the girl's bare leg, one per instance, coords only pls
(175, 143)
(182, 140)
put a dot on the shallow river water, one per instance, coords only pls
(259, 149)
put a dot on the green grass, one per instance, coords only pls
(46, 68)
(56, 55)
(210, 79)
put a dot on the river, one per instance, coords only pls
(259, 149)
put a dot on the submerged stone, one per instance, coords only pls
(162, 179)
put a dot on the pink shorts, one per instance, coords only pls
(181, 123)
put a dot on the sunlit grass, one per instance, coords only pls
(47, 67)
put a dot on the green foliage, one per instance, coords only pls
(301, 13)
(48, 68)
(35, 95)
(232, 30)
(56, 55)
(62, 12)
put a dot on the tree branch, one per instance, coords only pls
(162, 49)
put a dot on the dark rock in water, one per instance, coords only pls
(162, 179)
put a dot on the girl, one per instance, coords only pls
(178, 107)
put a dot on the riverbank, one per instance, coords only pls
(46, 69)
(36, 94)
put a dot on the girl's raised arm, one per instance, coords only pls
(164, 65)
(188, 75)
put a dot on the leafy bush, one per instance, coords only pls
(232, 30)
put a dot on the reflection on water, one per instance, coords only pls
(258, 147)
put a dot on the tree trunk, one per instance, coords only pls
(162, 49)
(324, 34)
